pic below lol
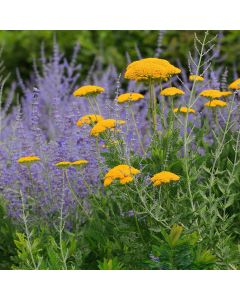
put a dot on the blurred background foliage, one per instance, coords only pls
(110, 47)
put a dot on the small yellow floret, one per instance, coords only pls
(88, 90)
(104, 125)
(184, 110)
(235, 85)
(215, 103)
(171, 91)
(225, 94)
(129, 97)
(150, 68)
(164, 177)
(28, 159)
(79, 162)
(196, 78)
(214, 94)
(63, 164)
(89, 119)
(124, 173)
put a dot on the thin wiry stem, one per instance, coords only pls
(27, 232)
(220, 147)
(153, 105)
(137, 131)
(185, 138)
(62, 225)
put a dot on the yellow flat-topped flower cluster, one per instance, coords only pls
(227, 93)
(79, 162)
(215, 103)
(164, 177)
(104, 125)
(150, 68)
(214, 94)
(196, 78)
(88, 90)
(184, 110)
(89, 119)
(123, 173)
(235, 85)
(132, 97)
(63, 164)
(66, 164)
(171, 91)
(28, 159)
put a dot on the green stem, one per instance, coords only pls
(136, 129)
(29, 244)
(91, 105)
(95, 101)
(215, 115)
(99, 157)
(162, 108)
(220, 147)
(136, 220)
(185, 137)
(152, 105)
(61, 226)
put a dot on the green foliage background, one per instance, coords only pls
(21, 46)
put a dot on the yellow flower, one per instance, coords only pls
(88, 90)
(184, 110)
(215, 103)
(235, 85)
(124, 173)
(214, 94)
(89, 119)
(171, 91)
(28, 159)
(228, 93)
(164, 177)
(129, 97)
(104, 125)
(63, 164)
(153, 68)
(79, 163)
(196, 78)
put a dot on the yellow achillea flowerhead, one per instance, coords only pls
(79, 163)
(215, 103)
(129, 97)
(28, 159)
(104, 125)
(184, 110)
(88, 90)
(196, 78)
(124, 173)
(228, 93)
(63, 164)
(214, 94)
(89, 119)
(164, 177)
(171, 91)
(235, 85)
(153, 68)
